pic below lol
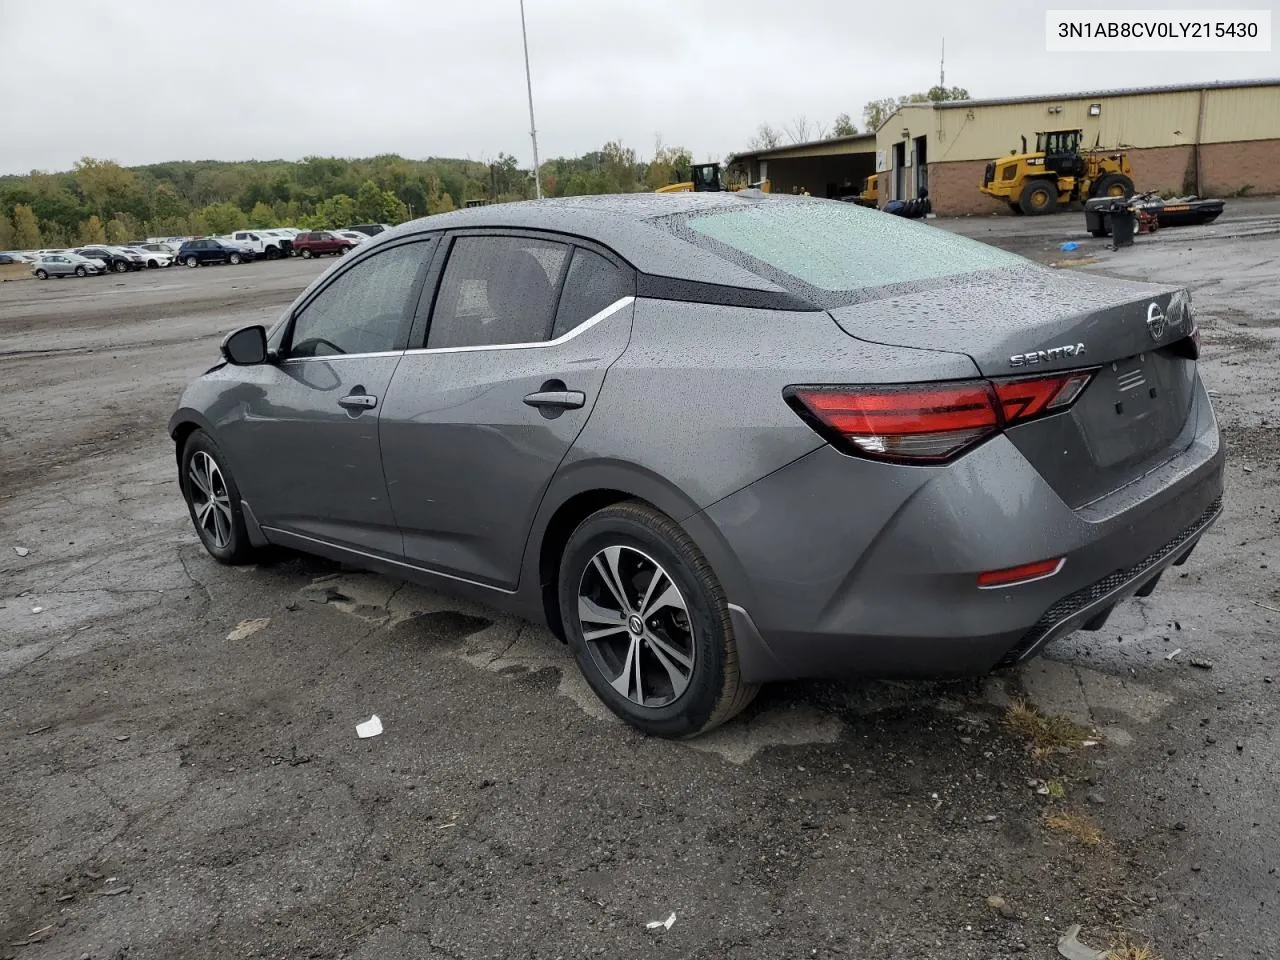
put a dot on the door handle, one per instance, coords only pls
(358, 401)
(557, 399)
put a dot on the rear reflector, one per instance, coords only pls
(930, 423)
(1023, 574)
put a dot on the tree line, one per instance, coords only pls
(100, 201)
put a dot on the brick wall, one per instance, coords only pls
(953, 189)
(1228, 167)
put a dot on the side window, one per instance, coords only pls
(593, 284)
(366, 309)
(497, 290)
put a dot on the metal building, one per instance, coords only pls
(1215, 139)
(823, 168)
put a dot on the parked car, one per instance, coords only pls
(7, 258)
(355, 236)
(284, 237)
(66, 264)
(152, 259)
(830, 442)
(264, 244)
(197, 253)
(370, 229)
(317, 243)
(158, 247)
(113, 257)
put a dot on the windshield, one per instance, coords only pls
(842, 248)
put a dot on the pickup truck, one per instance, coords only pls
(265, 246)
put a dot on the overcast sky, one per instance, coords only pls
(141, 81)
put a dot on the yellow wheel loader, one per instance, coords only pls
(870, 195)
(1057, 174)
(705, 177)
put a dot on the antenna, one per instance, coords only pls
(942, 65)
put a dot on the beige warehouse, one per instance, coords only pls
(1213, 139)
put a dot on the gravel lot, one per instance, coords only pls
(178, 782)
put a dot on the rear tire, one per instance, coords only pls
(192, 262)
(81, 272)
(213, 501)
(1039, 197)
(677, 675)
(42, 274)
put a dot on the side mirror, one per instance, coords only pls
(246, 347)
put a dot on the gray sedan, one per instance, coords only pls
(715, 440)
(65, 265)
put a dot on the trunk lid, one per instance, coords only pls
(1134, 414)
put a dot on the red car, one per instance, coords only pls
(319, 242)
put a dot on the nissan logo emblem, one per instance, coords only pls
(1155, 321)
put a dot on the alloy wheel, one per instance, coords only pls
(210, 500)
(635, 623)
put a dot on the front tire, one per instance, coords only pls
(273, 253)
(1039, 197)
(234, 259)
(121, 267)
(648, 623)
(81, 272)
(213, 501)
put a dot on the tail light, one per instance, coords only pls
(930, 423)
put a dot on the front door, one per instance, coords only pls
(476, 424)
(309, 422)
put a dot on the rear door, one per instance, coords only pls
(306, 427)
(479, 417)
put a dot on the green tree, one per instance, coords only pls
(843, 126)
(261, 215)
(103, 181)
(369, 202)
(223, 217)
(669, 165)
(6, 232)
(26, 231)
(938, 94)
(92, 231)
(876, 112)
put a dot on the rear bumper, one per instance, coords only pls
(837, 567)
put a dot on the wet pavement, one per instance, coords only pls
(182, 776)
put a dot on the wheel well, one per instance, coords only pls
(180, 434)
(561, 526)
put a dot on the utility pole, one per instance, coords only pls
(942, 64)
(533, 129)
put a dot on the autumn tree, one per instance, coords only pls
(93, 231)
(119, 230)
(6, 232)
(26, 231)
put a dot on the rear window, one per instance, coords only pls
(841, 248)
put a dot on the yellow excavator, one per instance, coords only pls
(1057, 174)
(705, 177)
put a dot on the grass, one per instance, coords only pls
(1122, 948)
(1083, 829)
(1043, 732)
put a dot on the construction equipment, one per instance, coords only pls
(870, 195)
(1057, 174)
(705, 177)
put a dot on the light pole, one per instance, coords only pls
(533, 129)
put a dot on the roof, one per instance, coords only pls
(1099, 94)
(811, 147)
(622, 222)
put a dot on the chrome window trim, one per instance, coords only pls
(343, 356)
(581, 328)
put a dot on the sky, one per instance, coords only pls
(144, 81)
